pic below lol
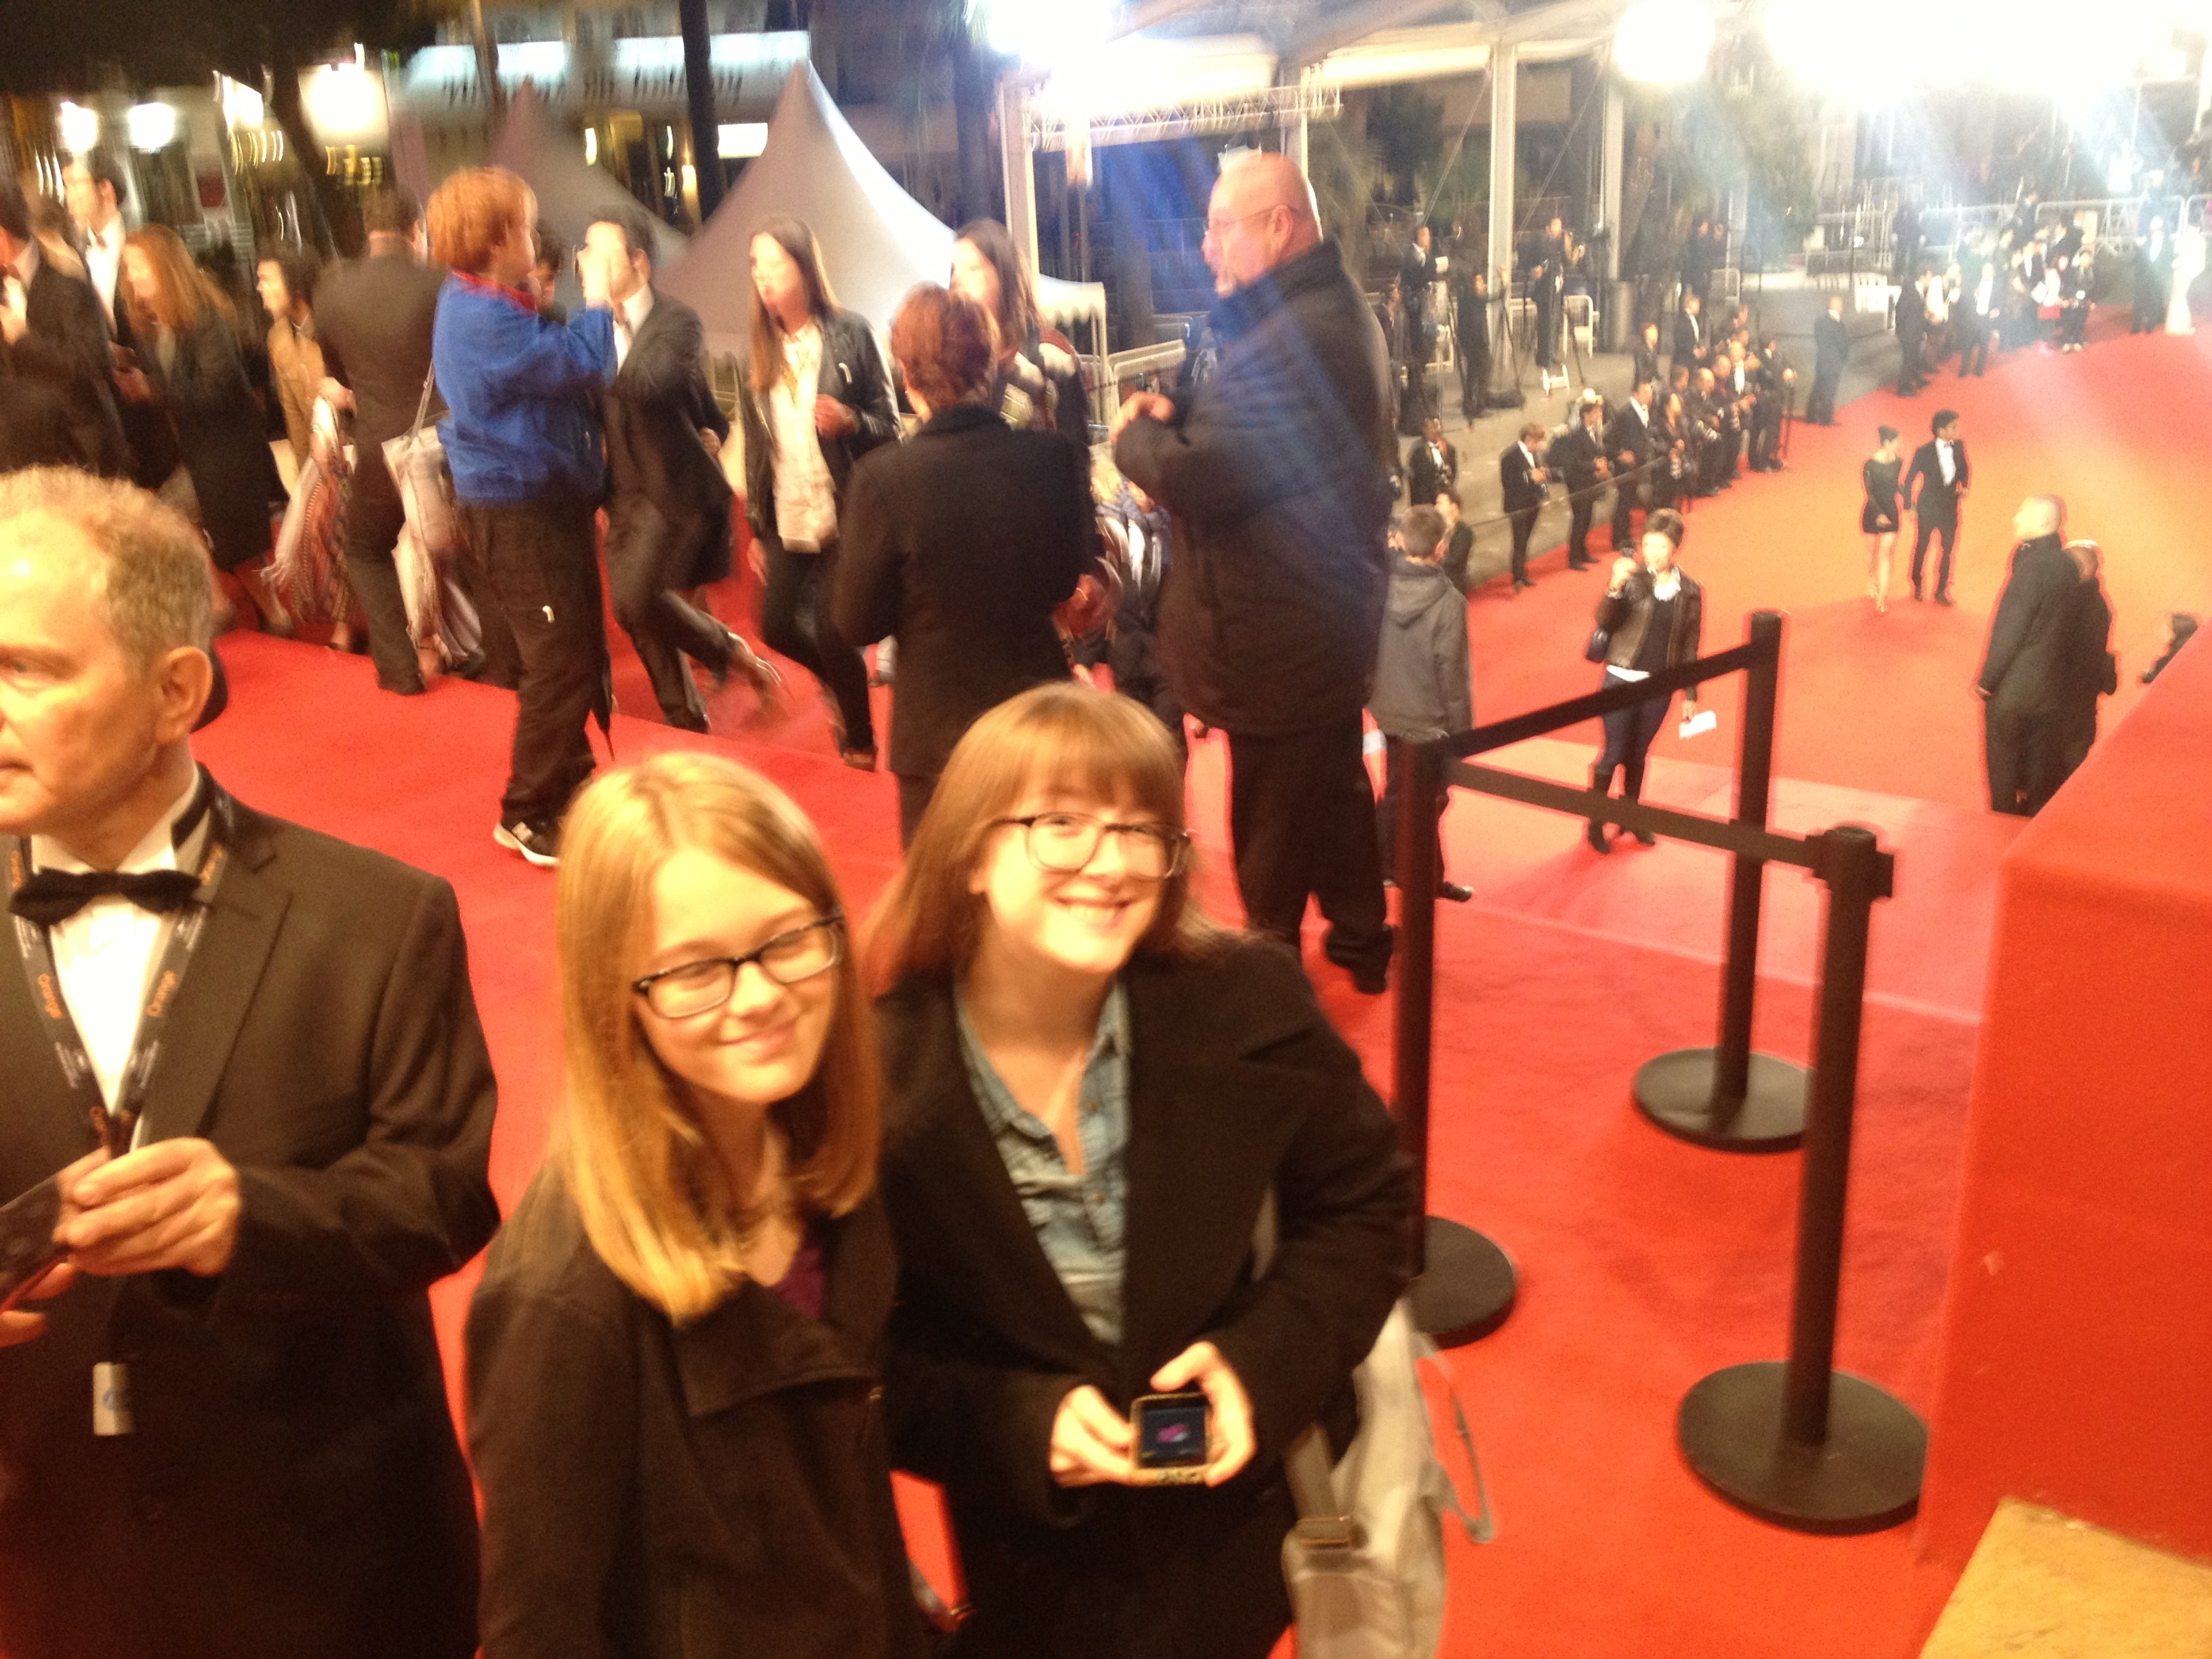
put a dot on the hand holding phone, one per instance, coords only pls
(1229, 1439)
(27, 1239)
(1174, 1434)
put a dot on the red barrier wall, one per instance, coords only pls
(2077, 1360)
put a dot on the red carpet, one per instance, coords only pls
(1646, 1263)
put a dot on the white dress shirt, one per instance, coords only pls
(1944, 458)
(806, 496)
(103, 261)
(630, 317)
(104, 954)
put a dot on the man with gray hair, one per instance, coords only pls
(1275, 473)
(247, 1058)
(2023, 679)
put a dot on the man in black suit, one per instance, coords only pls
(1646, 357)
(1521, 478)
(94, 186)
(1941, 469)
(1911, 338)
(668, 504)
(1631, 443)
(1547, 282)
(34, 429)
(1415, 274)
(1579, 457)
(1433, 467)
(373, 317)
(1471, 326)
(228, 1433)
(2024, 678)
(1691, 345)
(53, 325)
(1831, 350)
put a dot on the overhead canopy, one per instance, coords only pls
(876, 240)
(571, 193)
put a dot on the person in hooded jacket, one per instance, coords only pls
(1422, 686)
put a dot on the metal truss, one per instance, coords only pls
(1234, 112)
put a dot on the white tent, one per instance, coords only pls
(876, 240)
(571, 193)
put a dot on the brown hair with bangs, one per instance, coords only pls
(472, 212)
(183, 294)
(796, 239)
(1017, 309)
(1056, 736)
(629, 1144)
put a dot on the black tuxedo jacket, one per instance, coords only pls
(1831, 345)
(1238, 1087)
(2024, 670)
(1577, 452)
(1522, 492)
(1912, 313)
(1646, 366)
(1428, 476)
(1632, 436)
(1690, 345)
(294, 1486)
(661, 481)
(65, 344)
(373, 318)
(1937, 501)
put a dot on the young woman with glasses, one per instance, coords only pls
(673, 1357)
(1091, 1089)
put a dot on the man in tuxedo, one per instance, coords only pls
(1471, 323)
(1521, 477)
(668, 504)
(1691, 346)
(373, 318)
(1433, 468)
(1416, 272)
(1547, 282)
(2024, 678)
(1631, 443)
(1831, 351)
(1911, 338)
(1645, 366)
(1579, 457)
(229, 1435)
(1459, 542)
(1940, 470)
(55, 332)
(94, 190)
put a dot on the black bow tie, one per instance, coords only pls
(49, 896)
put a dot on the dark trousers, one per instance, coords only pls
(1910, 364)
(1625, 491)
(914, 795)
(1628, 735)
(534, 569)
(1131, 658)
(650, 556)
(2026, 757)
(1580, 507)
(1524, 524)
(1474, 375)
(373, 521)
(1821, 406)
(2073, 323)
(1302, 820)
(1947, 530)
(1395, 766)
(1974, 355)
(795, 621)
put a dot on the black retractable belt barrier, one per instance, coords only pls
(1726, 1096)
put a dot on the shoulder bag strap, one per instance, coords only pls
(1306, 1464)
(423, 408)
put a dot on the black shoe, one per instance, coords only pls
(1454, 891)
(1644, 838)
(469, 667)
(1916, 591)
(1944, 597)
(1371, 981)
(1595, 832)
(540, 843)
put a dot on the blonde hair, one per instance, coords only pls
(1057, 736)
(629, 1144)
(472, 212)
(149, 567)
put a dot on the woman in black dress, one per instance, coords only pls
(1879, 517)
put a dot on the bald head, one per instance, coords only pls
(2040, 515)
(1261, 216)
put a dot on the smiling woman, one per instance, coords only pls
(677, 1334)
(1091, 1089)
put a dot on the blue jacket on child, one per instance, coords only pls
(518, 426)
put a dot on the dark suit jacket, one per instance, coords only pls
(852, 373)
(1832, 346)
(1936, 501)
(1522, 492)
(1459, 549)
(1691, 341)
(716, 1490)
(2025, 669)
(662, 485)
(34, 428)
(66, 345)
(1575, 452)
(224, 436)
(1646, 365)
(1912, 315)
(1428, 477)
(961, 541)
(1632, 436)
(294, 1486)
(1239, 1086)
(375, 318)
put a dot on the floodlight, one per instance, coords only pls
(151, 126)
(80, 127)
(1042, 35)
(1664, 41)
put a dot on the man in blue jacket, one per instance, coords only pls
(522, 436)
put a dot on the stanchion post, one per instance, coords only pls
(1754, 783)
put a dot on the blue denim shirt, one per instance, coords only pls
(1078, 1219)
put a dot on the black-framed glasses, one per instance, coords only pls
(795, 955)
(1063, 843)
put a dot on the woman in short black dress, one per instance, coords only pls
(1879, 517)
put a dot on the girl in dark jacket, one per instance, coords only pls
(1654, 614)
(1091, 1091)
(813, 400)
(672, 1356)
(1038, 383)
(193, 372)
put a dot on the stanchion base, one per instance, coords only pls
(1865, 1477)
(1675, 1091)
(1467, 1288)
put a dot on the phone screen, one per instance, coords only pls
(26, 1237)
(1171, 1432)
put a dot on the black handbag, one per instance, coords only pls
(1601, 642)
